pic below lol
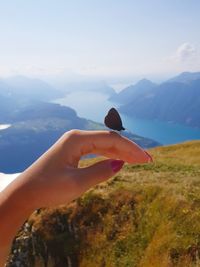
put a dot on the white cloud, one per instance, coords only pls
(185, 52)
(185, 58)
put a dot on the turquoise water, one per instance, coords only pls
(94, 106)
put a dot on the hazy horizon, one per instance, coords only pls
(117, 83)
(113, 41)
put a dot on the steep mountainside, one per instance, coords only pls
(175, 100)
(145, 216)
(143, 87)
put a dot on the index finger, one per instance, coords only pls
(109, 144)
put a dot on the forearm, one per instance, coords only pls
(14, 210)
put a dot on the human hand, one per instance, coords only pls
(55, 177)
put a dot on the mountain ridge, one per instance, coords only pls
(174, 100)
(185, 77)
(133, 91)
(29, 88)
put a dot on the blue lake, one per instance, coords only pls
(94, 106)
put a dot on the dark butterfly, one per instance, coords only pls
(113, 120)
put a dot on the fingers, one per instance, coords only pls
(85, 178)
(109, 144)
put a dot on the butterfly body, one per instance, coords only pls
(113, 120)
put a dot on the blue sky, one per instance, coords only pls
(107, 38)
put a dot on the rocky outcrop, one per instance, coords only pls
(35, 247)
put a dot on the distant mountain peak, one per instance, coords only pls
(20, 87)
(129, 93)
(141, 83)
(144, 81)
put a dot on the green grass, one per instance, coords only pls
(145, 216)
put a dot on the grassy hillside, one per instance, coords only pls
(145, 216)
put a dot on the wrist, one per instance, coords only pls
(14, 210)
(17, 197)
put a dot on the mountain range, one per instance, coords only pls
(175, 100)
(21, 87)
(36, 124)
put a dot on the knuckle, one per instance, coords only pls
(72, 133)
(114, 135)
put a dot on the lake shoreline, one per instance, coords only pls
(94, 106)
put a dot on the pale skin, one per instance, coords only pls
(55, 178)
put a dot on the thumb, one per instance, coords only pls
(98, 172)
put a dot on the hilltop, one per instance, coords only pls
(145, 216)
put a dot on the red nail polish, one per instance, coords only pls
(150, 157)
(116, 165)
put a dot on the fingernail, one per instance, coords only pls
(150, 157)
(116, 165)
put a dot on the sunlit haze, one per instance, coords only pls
(99, 39)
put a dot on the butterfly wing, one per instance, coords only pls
(113, 120)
